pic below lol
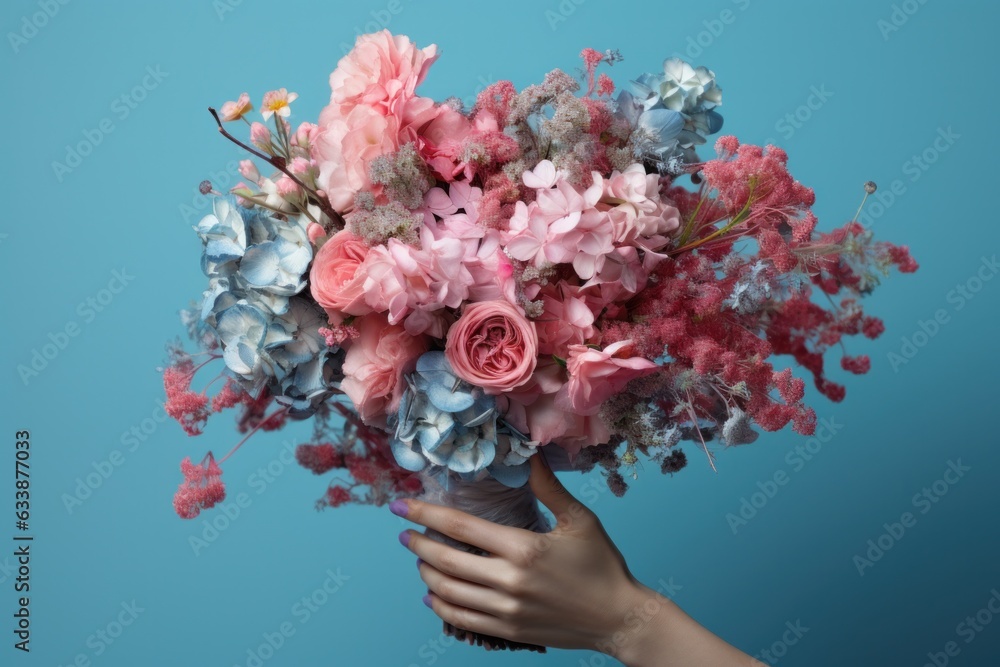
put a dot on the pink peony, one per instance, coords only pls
(597, 375)
(375, 364)
(384, 285)
(492, 346)
(379, 70)
(373, 111)
(331, 279)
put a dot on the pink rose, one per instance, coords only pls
(597, 375)
(492, 346)
(375, 364)
(332, 278)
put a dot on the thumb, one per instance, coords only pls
(548, 489)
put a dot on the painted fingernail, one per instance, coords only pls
(420, 561)
(404, 538)
(427, 600)
(398, 507)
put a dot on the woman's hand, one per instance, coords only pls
(568, 588)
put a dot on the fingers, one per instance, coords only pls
(455, 562)
(459, 525)
(549, 490)
(466, 594)
(470, 619)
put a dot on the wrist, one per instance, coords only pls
(658, 633)
(646, 626)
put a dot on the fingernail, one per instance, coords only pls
(398, 507)
(427, 600)
(404, 538)
(420, 561)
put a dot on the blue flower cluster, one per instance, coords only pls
(445, 421)
(676, 109)
(256, 265)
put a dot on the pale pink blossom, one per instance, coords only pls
(235, 110)
(304, 135)
(249, 170)
(286, 188)
(300, 166)
(315, 232)
(260, 136)
(277, 102)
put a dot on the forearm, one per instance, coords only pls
(658, 633)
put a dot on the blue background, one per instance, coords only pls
(129, 206)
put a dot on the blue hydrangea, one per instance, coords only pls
(444, 421)
(256, 264)
(675, 108)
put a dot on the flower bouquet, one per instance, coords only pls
(447, 292)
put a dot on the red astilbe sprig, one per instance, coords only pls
(756, 196)
(190, 408)
(364, 454)
(201, 489)
(805, 330)
(848, 258)
(718, 361)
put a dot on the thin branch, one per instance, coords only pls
(280, 164)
